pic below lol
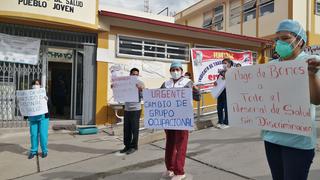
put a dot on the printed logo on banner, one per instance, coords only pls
(32, 102)
(267, 97)
(168, 109)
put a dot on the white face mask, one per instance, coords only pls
(36, 87)
(175, 74)
(224, 66)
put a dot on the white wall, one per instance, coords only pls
(152, 73)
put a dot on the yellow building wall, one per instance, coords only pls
(102, 113)
(268, 23)
(249, 28)
(235, 29)
(300, 12)
(317, 25)
(196, 20)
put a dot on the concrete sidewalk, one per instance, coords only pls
(228, 154)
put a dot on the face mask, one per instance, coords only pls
(187, 77)
(36, 87)
(175, 74)
(224, 66)
(284, 49)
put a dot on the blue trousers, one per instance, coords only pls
(288, 163)
(39, 130)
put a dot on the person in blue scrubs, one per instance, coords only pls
(289, 155)
(38, 130)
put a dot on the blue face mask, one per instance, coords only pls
(284, 49)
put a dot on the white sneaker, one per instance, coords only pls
(178, 177)
(219, 125)
(167, 174)
(223, 126)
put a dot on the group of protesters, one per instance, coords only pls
(289, 155)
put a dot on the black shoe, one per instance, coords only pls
(31, 155)
(131, 150)
(124, 150)
(44, 154)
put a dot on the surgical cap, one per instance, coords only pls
(176, 64)
(294, 27)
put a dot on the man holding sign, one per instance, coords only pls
(132, 109)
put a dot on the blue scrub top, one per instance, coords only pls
(293, 140)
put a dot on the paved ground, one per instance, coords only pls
(228, 154)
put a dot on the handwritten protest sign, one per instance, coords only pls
(168, 108)
(32, 102)
(217, 90)
(124, 89)
(273, 96)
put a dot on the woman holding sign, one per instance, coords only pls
(176, 140)
(290, 155)
(38, 127)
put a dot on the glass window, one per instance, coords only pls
(317, 7)
(218, 17)
(235, 12)
(152, 49)
(207, 19)
(249, 10)
(266, 7)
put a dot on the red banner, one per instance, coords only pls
(206, 63)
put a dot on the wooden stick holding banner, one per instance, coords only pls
(268, 97)
(168, 109)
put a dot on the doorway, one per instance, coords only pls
(65, 83)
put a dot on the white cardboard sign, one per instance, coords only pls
(217, 90)
(168, 109)
(32, 102)
(125, 89)
(272, 96)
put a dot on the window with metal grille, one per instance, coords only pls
(249, 10)
(317, 7)
(235, 12)
(151, 49)
(207, 19)
(218, 17)
(266, 7)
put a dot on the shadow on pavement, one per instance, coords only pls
(73, 148)
(137, 175)
(14, 148)
(206, 142)
(313, 175)
(64, 175)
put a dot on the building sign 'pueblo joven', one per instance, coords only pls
(80, 12)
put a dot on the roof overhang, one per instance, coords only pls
(139, 23)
